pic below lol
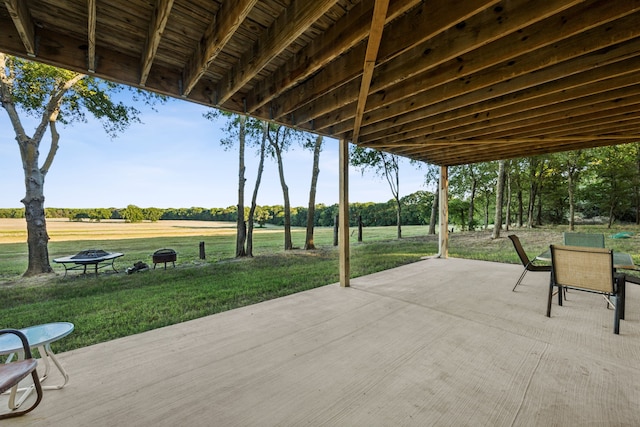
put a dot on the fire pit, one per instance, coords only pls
(164, 256)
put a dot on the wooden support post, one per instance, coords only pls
(443, 202)
(343, 213)
(202, 254)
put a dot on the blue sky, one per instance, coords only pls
(174, 159)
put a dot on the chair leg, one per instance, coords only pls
(560, 288)
(38, 387)
(520, 279)
(550, 298)
(622, 291)
(616, 314)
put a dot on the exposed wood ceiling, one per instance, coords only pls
(447, 82)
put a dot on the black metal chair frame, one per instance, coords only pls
(612, 290)
(13, 372)
(526, 262)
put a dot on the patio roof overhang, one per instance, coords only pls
(437, 81)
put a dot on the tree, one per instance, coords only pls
(53, 95)
(315, 171)
(240, 130)
(255, 213)
(132, 213)
(572, 164)
(615, 168)
(383, 164)
(152, 214)
(434, 211)
(497, 223)
(280, 139)
(537, 171)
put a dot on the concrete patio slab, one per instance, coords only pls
(438, 342)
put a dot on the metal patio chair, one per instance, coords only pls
(526, 262)
(13, 372)
(585, 269)
(592, 240)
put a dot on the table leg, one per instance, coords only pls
(45, 354)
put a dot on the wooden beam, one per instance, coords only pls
(590, 87)
(490, 84)
(343, 213)
(573, 123)
(91, 36)
(435, 17)
(161, 13)
(344, 35)
(475, 156)
(224, 25)
(443, 207)
(490, 64)
(294, 21)
(373, 44)
(501, 111)
(19, 12)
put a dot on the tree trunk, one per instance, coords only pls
(288, 244)
(399, 217)
(486, 211)
(533, 194)
(37, 236)
(611, 215)
(497, 222)
(539, 211)
(472, 198)
(434, 212)
(254, 198)
(508, 204)
(311, 212)
(34, 175)
(520, 208)
(571, 203)
(277, 145)
(241, 229)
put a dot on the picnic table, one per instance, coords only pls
(96, 257)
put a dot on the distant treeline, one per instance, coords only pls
(416, 210)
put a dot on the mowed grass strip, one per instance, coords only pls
(113, 305)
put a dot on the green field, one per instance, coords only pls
(113, 304)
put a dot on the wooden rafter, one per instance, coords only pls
(91, 35)
(375, 35)
(516, 110)
(218, 33)
(531, 74)
(341, 37)
(311, 99)
(298, 16)
(452, 82)
(412, 76)
(159, 19)
(19, 12)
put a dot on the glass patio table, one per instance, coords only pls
(39, 337)
(621, 260)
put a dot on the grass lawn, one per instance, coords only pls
(113, 304)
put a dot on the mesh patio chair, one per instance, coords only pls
(585, 269)
(592, 240)
(526, 262)
(13, 372)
